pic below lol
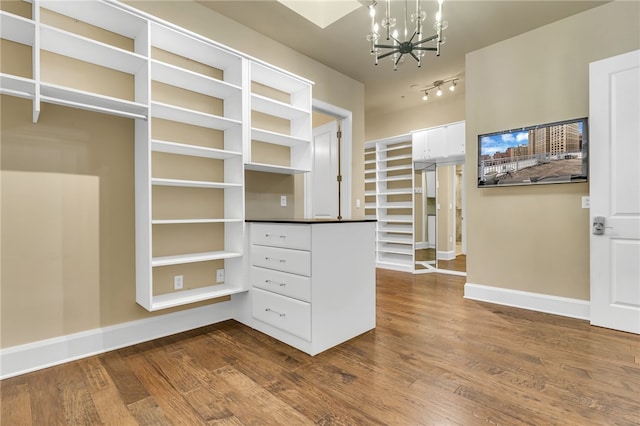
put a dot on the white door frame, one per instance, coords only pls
(345, 153)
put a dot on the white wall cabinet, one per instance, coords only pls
(439, 142)
(186, 189)
(313, 284)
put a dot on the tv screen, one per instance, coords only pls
(545, 153)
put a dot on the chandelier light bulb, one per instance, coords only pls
(439, 92)
(453, 86)
(425, 97)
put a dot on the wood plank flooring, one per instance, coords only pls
(434, 359)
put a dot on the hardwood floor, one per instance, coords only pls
(434, 359)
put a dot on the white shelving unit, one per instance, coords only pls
(224, 94)
(370, 180)
(390, 175)
(189, 188)
(277, 99)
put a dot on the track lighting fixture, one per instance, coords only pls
(437, 86)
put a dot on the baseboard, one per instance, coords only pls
(34, 356)
(446, 255)
(564, 306)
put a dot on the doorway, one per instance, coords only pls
(325, 195)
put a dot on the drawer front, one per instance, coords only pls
(285, 313)
(282, 283)
(285, 260)
(281, 235)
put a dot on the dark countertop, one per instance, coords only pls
(309, 221)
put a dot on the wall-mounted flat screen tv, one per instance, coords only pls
(545, 153)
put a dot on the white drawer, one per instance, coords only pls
(281, 235)
(283, 283)
(285, 260)
(285, 313)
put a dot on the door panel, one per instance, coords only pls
(615, 191)
(324, 186)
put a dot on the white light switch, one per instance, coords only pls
(283, 201)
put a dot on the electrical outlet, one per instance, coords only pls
(220, 276)
(357, 203)
(177, 282)
(283, 201)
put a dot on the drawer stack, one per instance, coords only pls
(280, 275)
(312, 283)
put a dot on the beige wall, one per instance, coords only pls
(67, 189)
(536, 239)
(436, 112)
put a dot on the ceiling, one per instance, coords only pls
(342, 45)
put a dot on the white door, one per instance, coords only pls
(323, 202)
(614, 126)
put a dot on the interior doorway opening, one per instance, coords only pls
(327, 187)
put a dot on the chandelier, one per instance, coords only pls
(412, 41)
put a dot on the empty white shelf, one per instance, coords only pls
(61, 95)
(275, 138)
(189, 80)
(191, 221)
(17, 86)
(184, 297)
(188, 116)
(193, 183)
(270, 168)
(193, 258)
(193, 150)
(100, 14)
(85, 49)
(194, 47)
(16, 28)
(276, 108)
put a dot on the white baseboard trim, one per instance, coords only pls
(564, 306)
(446, 255)
(34, 356)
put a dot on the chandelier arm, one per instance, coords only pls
(414, 56)
(386, 46)
(388, 54)
(432, 49)
(424, 40)
(398, 60)
(412, 37)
